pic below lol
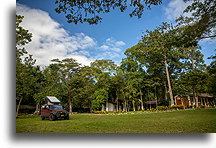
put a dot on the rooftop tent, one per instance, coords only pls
(52, 100)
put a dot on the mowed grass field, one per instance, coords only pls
(182, 121)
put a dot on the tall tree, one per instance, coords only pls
(25, 72)
(50, 84)
(104, 69)
(118, 85)
(158, 47)
(193, 80)
(134, 76)
(68, 69)
(211, 80)
(27, 79)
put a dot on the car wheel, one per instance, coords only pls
(42, 118)
(66, 118)
(52, 117)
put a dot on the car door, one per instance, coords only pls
(45, 111)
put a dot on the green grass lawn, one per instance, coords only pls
(183, 121)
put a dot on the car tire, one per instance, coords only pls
(52, 117)
(66, 118)
(42, 118)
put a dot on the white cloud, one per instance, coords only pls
(108, 55)
(112, 45)
(51, 41)
(120, 43)
(175, 8)
(104, 47)
(111, 49)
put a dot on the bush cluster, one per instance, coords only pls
(163, 108)
(159, 108)
(119, 111)
(106, 112)
(176, 107)
(99, 112)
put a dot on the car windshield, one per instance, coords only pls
(56, 107)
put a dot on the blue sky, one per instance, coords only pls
(53, 37)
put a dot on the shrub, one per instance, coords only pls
(105, 112)
(180, 106)
(162, 107)
(99, 112)
(176, 107)
(202, 106)
(152, 109)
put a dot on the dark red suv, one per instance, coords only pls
(53, 112)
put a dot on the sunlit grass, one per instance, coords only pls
(188, 121)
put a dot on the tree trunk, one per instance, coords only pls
(37, 110)
(107, 106)
(18, 106)
(141, 100)
(197, 101)
(125, 103)
(189, 100)
(195, 98)
(133, 102)
(155, 94)
(169, 84)
(125, 106)
(117, 108)
(165, 90)
(175, 101)
(70, 106)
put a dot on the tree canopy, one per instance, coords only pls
(79, 11)
(202, 23)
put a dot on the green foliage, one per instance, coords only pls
(79, 11)
(105, 112)
(193, 78)
(211, 77)
(176, 107)
(100, 96)
(162, 108)
(212, 67)
(23, 36)
(158, 52)
(27, 76)
(100, 112)
(50, 85)
(202, 23)
(104, 65)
